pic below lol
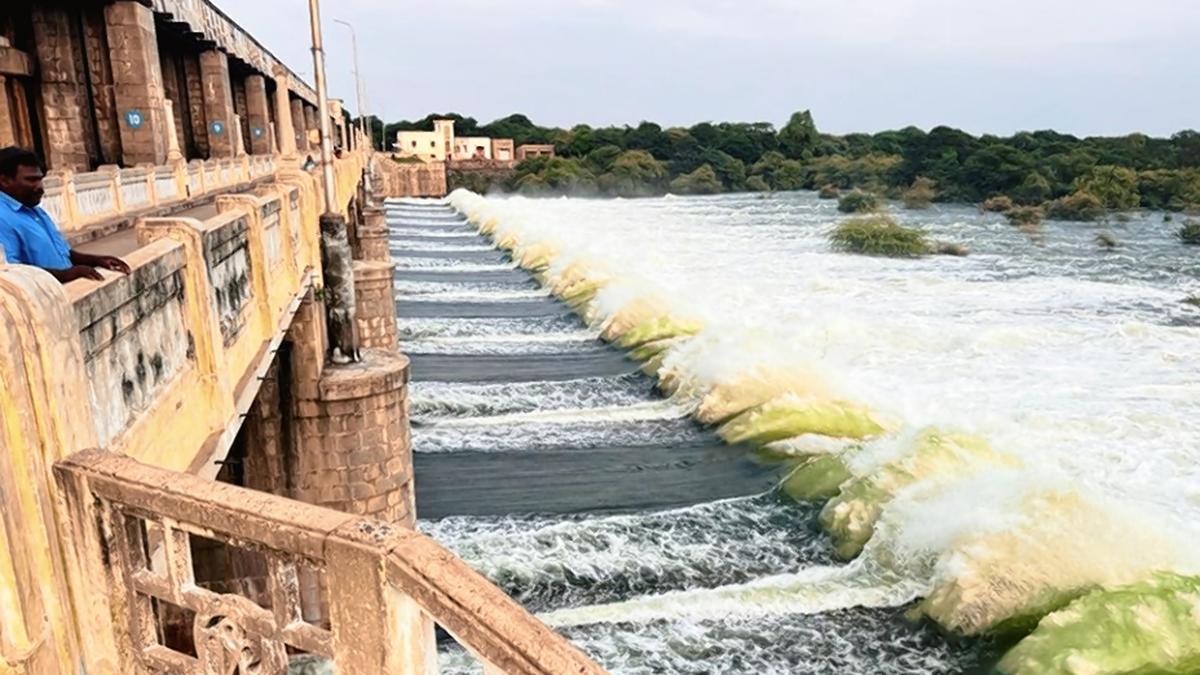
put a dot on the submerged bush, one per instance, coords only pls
(951, 248)
(1024, 216)
(702, 181)
(857, 201)
(1080, 205)
(878, 235)
(757, 184)
(998, 204)
(828, 191)
(921, 194)
(1190, 232)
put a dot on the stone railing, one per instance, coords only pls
(80, 201)
(197, 315)
(159, 364)
(352, 590)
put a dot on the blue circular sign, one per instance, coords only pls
(134, 119)
(217, 127)
(257, 131)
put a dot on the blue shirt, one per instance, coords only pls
(29, 237)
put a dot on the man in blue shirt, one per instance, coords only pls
(28, 235)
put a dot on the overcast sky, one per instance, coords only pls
(996, 66)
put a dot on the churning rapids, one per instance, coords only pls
(696, 440)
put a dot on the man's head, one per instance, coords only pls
(21, 175)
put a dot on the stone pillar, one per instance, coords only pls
(312, 127)
(239, 141)
(339, 124)
(195, 116)
(173, 153)
(218, 103)
(297, 129)
(353, 452)
(374, 292)
(64, 105)
(137, 80)
(284, 127)
(257, 115)
(7, 134)
(373, 236)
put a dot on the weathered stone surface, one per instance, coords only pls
(375, 298)
(336, 264)
(257, 115)
(228, 259)
(353, 448)
(64, 104)
(137, 82)
(134, 338)
(217, 93)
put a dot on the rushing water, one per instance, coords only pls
(1077, 361)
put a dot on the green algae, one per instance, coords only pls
(818, 477)
(790, 416)
(650, 350)
(657, 329)
(1152, 626)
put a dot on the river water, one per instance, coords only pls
(552, 465)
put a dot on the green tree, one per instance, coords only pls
(779, 172)
(1115, 186)
(635, 173)
(798, 138)
(1035, 189)
(601, 159)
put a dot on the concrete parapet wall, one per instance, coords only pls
(141, 365)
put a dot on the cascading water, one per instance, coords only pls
(998, 433)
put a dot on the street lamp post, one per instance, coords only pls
(337, 266)
(358, 87)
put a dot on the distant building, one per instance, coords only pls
(502, 149)
(430, 146)
(442, 144)
(528, 150)
(472, 147)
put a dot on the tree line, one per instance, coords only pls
(1057, 171)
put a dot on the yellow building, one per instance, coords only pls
(441, 144)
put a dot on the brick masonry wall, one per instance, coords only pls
(104, 98)
(266, 465)
(63, 99)
(218, 102)
(173, 89)
(240, 109)
(353, 451)
(197, 112)
(257, 116)
(375, 304)
(298, 125)
(137, 82)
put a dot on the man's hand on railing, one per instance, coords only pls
(77, 272)
(108, 262)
